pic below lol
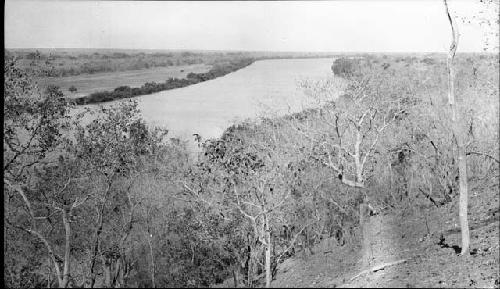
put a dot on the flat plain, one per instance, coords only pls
(89, 83)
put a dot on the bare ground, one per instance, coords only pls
(417, 249)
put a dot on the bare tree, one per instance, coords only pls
(344, 134)
(458, 133)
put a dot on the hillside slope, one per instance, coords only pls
(418, 248)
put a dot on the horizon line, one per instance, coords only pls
(234, 50)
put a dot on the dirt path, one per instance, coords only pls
(385, 242)
(407, 250)
(383, 247)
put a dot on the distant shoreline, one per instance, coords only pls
(153, 87)
(123, 92)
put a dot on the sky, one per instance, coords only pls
(316, 26)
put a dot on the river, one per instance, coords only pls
(265, 88)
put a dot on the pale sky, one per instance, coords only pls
(329, 26)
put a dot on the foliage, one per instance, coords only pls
(344, 67)
(34, 130)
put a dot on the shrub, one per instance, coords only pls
(428, 61)
(344, 67)
(72, 89)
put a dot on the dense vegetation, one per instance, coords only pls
(115, 203)
(344, 67)
(218, 70)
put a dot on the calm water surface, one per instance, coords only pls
(265, 88)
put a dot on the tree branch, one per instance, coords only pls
(47, 245)
(18, 189)
(483, 154)
(292, 243)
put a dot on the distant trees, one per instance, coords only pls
(171, 83)
(71, 64)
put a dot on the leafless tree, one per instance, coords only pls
(344, 134)
(458, 133)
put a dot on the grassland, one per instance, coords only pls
(90, 83)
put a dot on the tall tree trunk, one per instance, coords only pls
(49, 274)
(106, 264)
(267, 237)
(458, 133)
(116, 273)
(121, 273)
(152, 260)
(95, 249)
(235, 276)
(67, 250)
(249, 263)
(357, 157)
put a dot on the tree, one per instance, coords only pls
(458, 133)
(345, 132)
(115, 149)
(72, 89)
(248, 176)
(78, 189)
(33, 134)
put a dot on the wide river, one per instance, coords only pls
(265, 88)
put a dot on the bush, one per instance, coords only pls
(72, 89)
(344, 67)
(428, 61)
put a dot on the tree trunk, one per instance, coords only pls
(235, 276)
(249, 264)
(121, 273)
(463, 203)
(267, 237)
(116, 273)
(152, 261)
(107, 272)
(49, 274)
(97, 235)
(67, 250)
(363, 220)
(459, 137)
(357, 157)
(94, 254)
